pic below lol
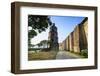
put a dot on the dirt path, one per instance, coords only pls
(66, 55)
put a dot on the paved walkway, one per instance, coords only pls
(66, 55)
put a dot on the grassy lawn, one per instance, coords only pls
(78, 54)
(41, 55)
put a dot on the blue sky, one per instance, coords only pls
(65, 25)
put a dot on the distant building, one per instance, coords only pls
(53, 38)
(60, 46)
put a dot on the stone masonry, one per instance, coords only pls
(77, 40)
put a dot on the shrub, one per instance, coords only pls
(84, 53)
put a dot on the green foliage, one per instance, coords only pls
(33, 49)
(32, 33)
(84, 53)
(44, 43)
(38, 24)
(39, 44)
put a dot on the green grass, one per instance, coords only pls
(78, 54)
(84, 53)
(41, 55)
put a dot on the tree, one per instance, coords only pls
(48, 44)
(31, 46)
(37, 24)
(44, 43)
(39, 44)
